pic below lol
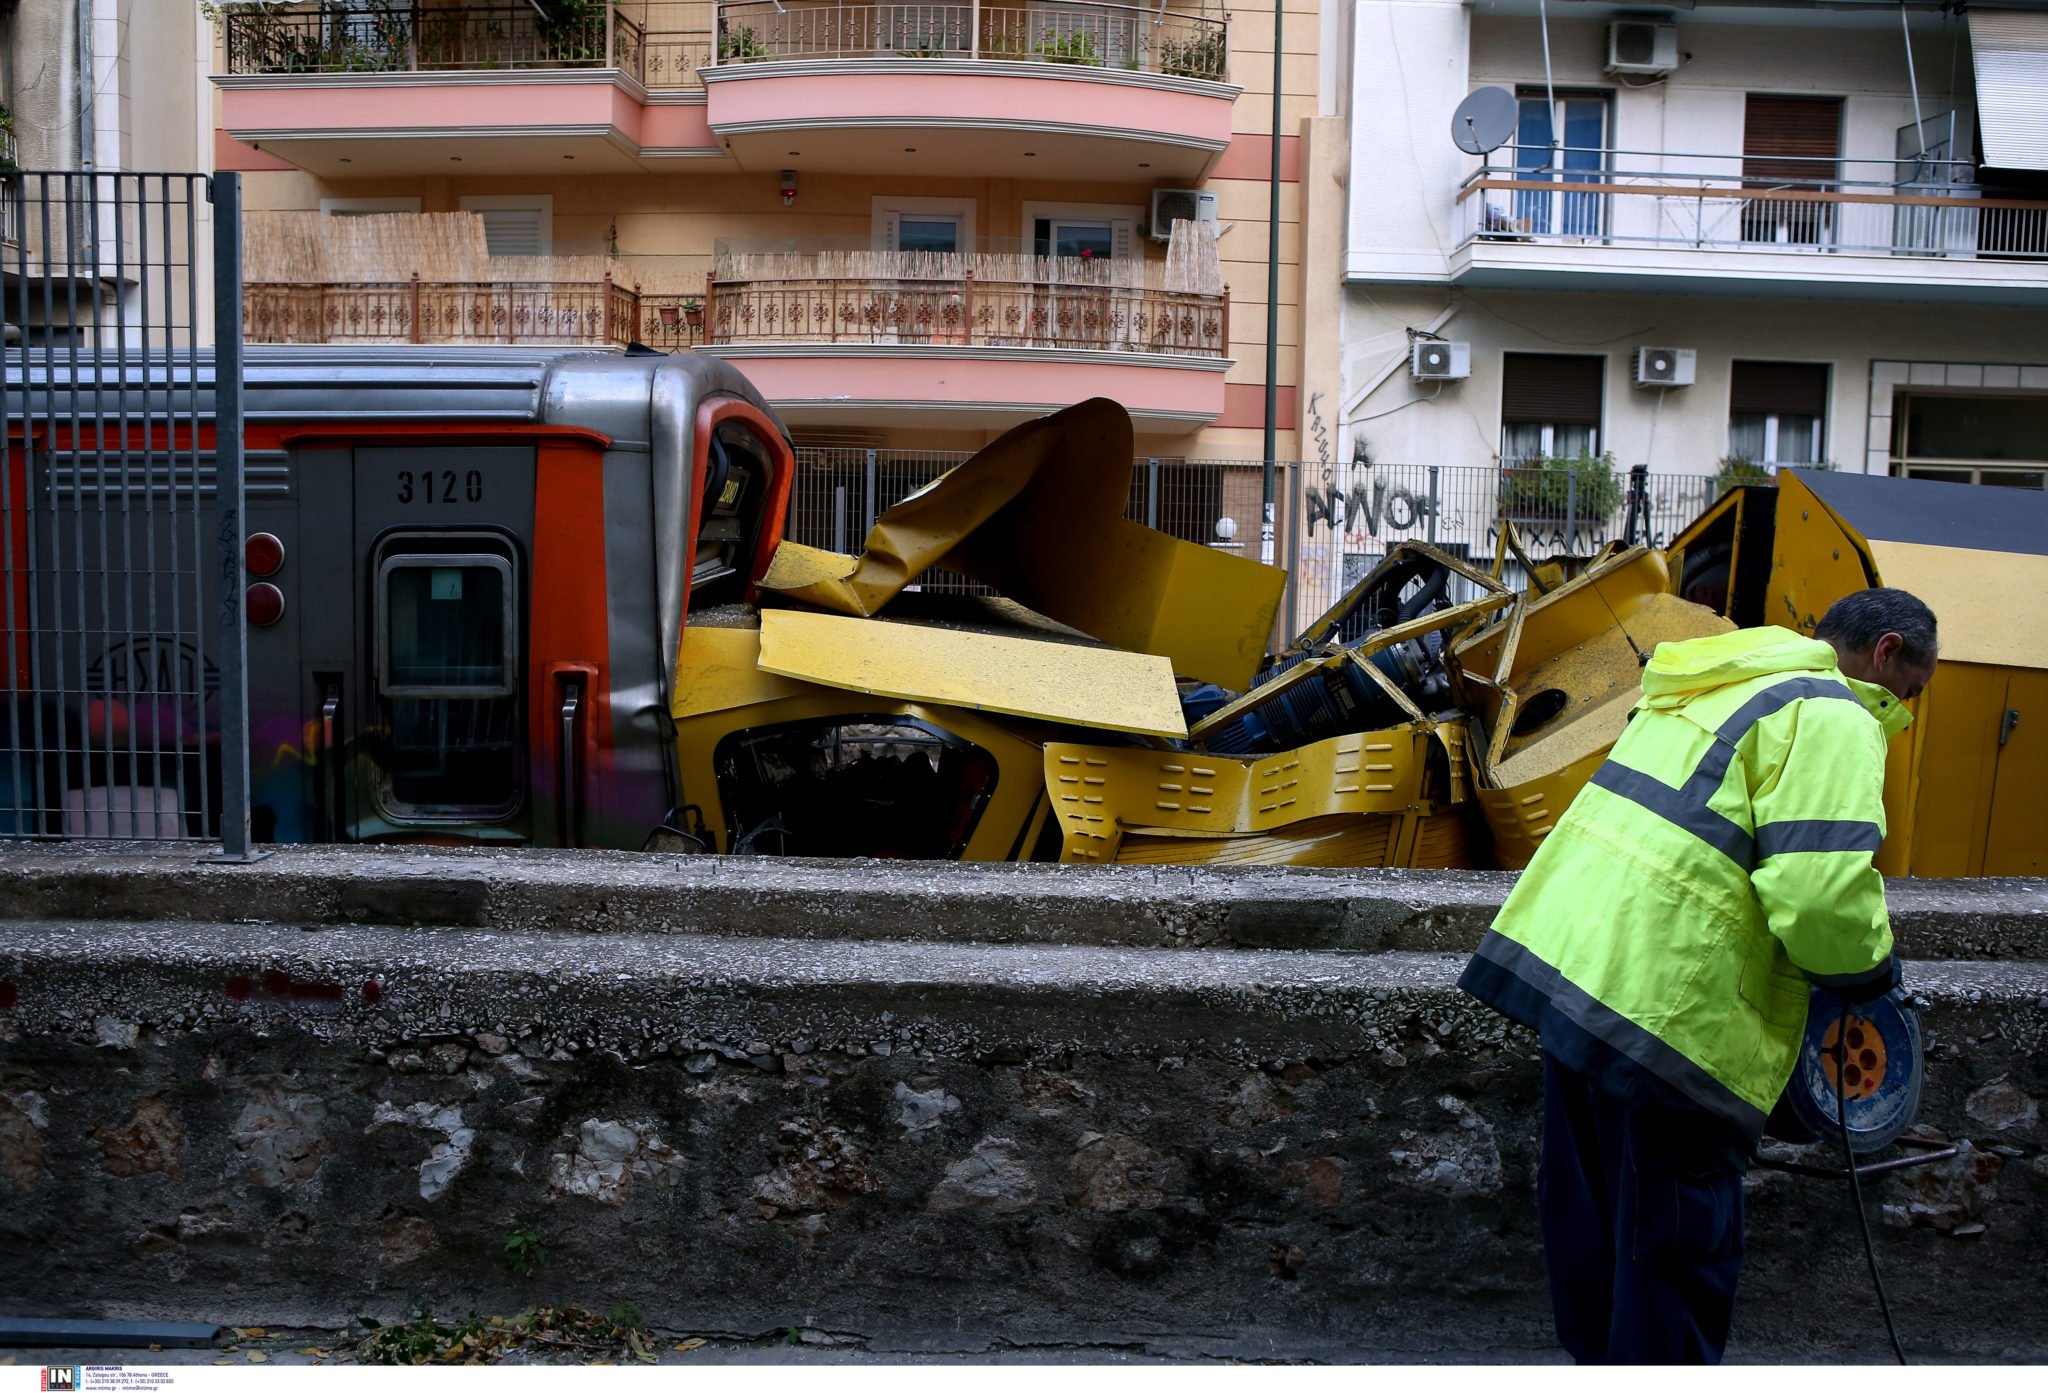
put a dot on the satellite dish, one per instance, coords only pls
(1485, 121)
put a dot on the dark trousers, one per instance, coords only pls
(1642, 1225)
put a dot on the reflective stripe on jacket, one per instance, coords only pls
(1663, 937)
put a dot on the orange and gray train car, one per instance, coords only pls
(468, 574)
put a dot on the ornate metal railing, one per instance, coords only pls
(969, 312)
(421, 311)
(363, 36)
(1886, 208)
(1078, 33)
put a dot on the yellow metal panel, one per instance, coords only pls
(1345, 839)
(1815, 559)
(1100, 792)
(1014, 807)
(1038, 514)
(2018, 841)
(1958, 760)
(1067, 683)
(1522, 816)
(718, 669)
(1976, 597)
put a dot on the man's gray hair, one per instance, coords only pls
(1856, 622)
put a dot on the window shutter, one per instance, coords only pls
(892, 230)
(1763, 389)
(1120, 232)
(513, 231)
(1788, 140)
(1558, 389)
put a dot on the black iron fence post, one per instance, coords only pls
(225, 192)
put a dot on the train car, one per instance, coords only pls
(468, 573)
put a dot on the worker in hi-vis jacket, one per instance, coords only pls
(1662, 941)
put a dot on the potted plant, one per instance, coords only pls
(693, 312)
(1560, 487)
(741, 45)
(7, 158)
(1201, 56)
(1737, 470)
(1077, 47)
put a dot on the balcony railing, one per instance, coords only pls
(367, 37)
(983, 299)
(468, 312)
(1607, 197)
(1127, 37)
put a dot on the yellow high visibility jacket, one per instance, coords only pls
(1662, 939)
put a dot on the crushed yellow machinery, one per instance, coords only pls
(1963, 787)
(1109, 705)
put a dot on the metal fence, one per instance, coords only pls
(121, 511)
(1330, 528)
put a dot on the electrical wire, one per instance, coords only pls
(1361, 420)
(1856, 1176)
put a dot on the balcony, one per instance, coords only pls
(972, 90)
(981, 339)
(354, 88)
(581, 313)
(1626, 220)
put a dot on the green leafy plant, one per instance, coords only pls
(1737, 470)
(741, 45)
(1201, 56)
(626, 1315)
(523, 1254)
(1579, 486)
(1077, 47)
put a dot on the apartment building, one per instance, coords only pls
(1711, 238)
(911, 225)
(104, 86)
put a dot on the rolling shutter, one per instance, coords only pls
(514, 231)
(1791, 140)
(1791, 389)
(2009, 51)
(1557, 389)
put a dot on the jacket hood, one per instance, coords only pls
(1679, 672)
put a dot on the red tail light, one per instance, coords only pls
(263, 603)
(263, 554)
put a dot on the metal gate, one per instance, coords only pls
(121, 513)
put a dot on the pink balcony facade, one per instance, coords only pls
(1073, 91)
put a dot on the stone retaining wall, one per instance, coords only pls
(927, 1106)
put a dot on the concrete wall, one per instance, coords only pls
(922, 1107)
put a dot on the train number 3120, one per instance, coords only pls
(427, 486)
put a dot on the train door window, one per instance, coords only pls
(447, 671)
(886, 786)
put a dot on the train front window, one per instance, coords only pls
(447, 669)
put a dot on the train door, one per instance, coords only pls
(435, 707)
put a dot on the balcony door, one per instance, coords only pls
(1579, 121)
(927, 247)
(1791, 155)
(1082, 252)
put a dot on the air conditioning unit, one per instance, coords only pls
(1639, 46)
(1439, 360)
(1665, 367)
(1180, 205)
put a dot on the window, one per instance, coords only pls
(1777, 413)
(1999, 440)
(357, 207)
(1550, 406)
(515, 224)
(1579, 121)
(924, 224)
(874, 785)
(1790, 144)
(1088, 230)
(447, 660)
